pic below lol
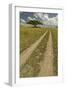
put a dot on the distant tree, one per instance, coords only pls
(34, 22)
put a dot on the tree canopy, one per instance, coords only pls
(34, 22)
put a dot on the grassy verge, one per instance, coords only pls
(55, 50)
(31, 68)
(28, 35)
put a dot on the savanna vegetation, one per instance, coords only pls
(55, 49)
(29, 35)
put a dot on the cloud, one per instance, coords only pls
(22, 20)
(44, 18)
(38, 15)
(54, 21)
(30, 18)
(41, 16)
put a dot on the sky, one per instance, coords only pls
(45, 18)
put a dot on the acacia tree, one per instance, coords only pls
(34, 22)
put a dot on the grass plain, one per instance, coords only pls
(29, 35)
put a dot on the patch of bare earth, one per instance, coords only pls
(47, 63)
(26, 53)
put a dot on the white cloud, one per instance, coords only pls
(41, 16)
(30, 18)
(23, 21)
(38, 15)
(54, 21)
(46, 16)
(46, 20)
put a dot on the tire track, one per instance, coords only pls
(26, 53)
(47, 64)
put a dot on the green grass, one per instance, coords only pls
(28, 35)
(55, 50)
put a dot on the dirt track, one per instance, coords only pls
(26, 53)
(47, 63)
